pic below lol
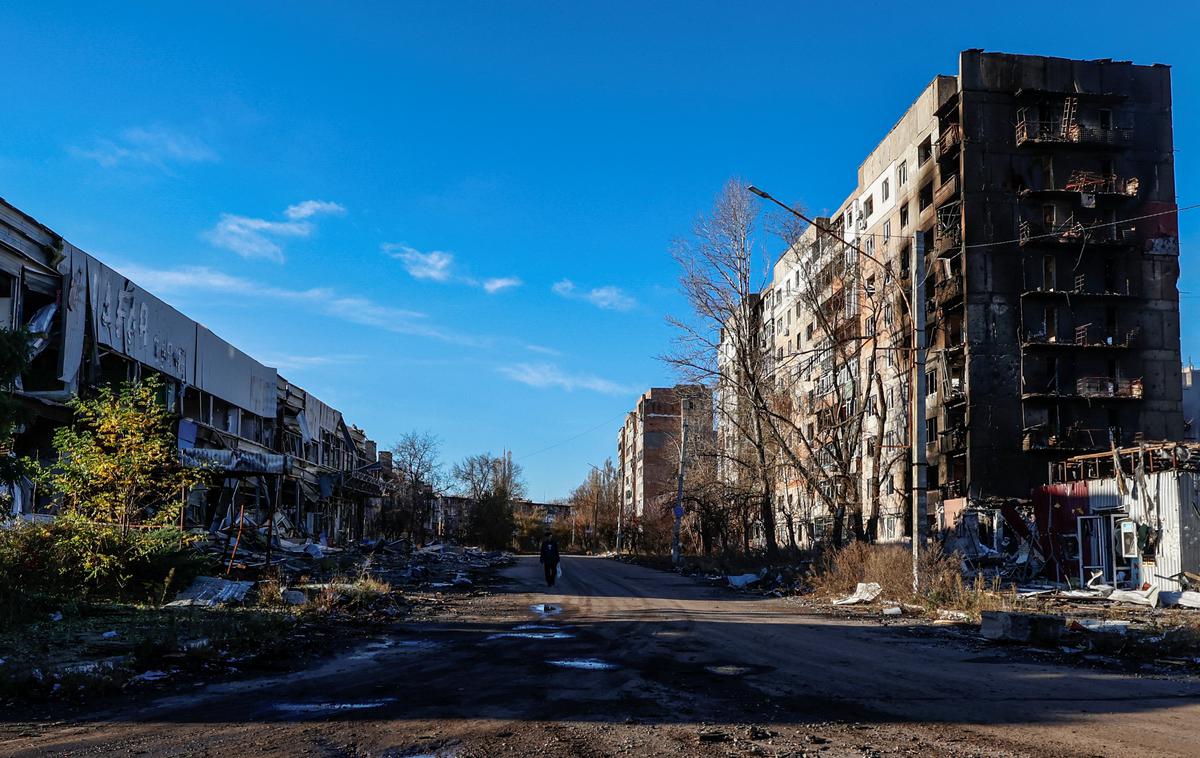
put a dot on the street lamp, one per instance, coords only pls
(916, 310)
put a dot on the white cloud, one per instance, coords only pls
(258, 238)
(438, 266)
(192, 280)
(310, 208)
(546, 375)
(492, 286)
(154, 145)
(542, 349)
(608, 297)
(433, 265)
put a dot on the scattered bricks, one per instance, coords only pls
(1022, 627)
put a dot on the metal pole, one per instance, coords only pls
(917, 407)
(676, 552)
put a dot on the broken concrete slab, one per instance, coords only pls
(212, 590)
(1003, 626)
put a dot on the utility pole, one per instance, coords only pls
(917, 406)
(676, 552)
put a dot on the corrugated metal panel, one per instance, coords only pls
(1168, 499)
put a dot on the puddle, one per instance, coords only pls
(588, 664)
(530, 636)
(367, 652)
(332, 707)
(727, 670)
(545, 609)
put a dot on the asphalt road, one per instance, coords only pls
(630, 660)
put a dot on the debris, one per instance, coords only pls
(714, 735)
(150, 676)
(1099, 625)
(866, 592)
(212, 590)
(1021, 627)
(945, 615)
(111, 634)
(742, 581)
(462, 580)
(294, 597)
(314, 550)
(1187, 599)
(1141, 597)
(56, 616)
(893, 610)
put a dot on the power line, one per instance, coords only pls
(572, 439)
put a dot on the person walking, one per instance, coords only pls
(550, 559)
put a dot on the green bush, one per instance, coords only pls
(74, 558)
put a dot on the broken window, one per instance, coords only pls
(902, 173)
(869, 206)
(925, 150)
(904, 215)
(925, 198)
(884, 191)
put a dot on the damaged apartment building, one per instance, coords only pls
(668, 422)
(1041, 191)
(282, 453)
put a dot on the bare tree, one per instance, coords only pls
(595, 503)
(416, 457)
(484, 474)
(718, 344)
(804, 414)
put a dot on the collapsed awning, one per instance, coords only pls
(235, 461)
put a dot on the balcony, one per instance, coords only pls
(952, 440)
(1106, 387)
(1084, 338)
(948, 292)
(947, 235)
(949, 141)
(947, 191)
(1073, 232)
(1053, 132)
(1073, 439)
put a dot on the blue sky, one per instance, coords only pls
(457, 216)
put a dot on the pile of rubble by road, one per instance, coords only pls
(256, 613)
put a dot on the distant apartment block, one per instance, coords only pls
(649, 445)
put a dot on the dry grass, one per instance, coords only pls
(341, 592)
(942, 584)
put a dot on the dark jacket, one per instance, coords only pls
(549, 551)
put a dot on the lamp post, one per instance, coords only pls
(916, 309)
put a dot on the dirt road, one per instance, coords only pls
(626, 660)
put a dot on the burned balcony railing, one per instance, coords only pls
(1103, 386)
(947, 234)
(1090, 182)
(949, 140)
(1034, 132)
